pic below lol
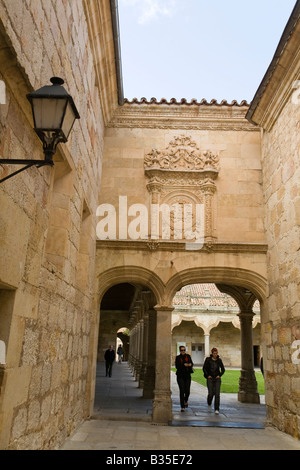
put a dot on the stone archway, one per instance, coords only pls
(245, 287)
(131, 274)
(211, 311)
(144, 290)
(249, 285)
(234, 276)
(163, 283)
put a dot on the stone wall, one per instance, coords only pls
(48, 310)
(237, 208)
(276, 109)
(281, 176)
(47, 225)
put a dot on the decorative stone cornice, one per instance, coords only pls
(182, 116)
(149, 245)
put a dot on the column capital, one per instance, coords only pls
(164, 308)
(246, 315)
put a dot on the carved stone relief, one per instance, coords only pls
(182, 175)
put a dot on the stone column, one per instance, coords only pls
(140, 326)
(136, 352)
(247, 385)
(206, 345)
(145, 350)
(162, 403)
(131, 348)
(149, 376)
(140, 349)
(245, 298)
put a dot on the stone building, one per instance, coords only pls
(48, 218)
(275, 109)
(83, 248)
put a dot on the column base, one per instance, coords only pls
(143, 373)
(162, 407)
(248, 387)
(246, 397)
(148, 393)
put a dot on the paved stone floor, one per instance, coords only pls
(122, 421)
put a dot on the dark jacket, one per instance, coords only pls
(182, 370)
(213, 368)
(109, 355)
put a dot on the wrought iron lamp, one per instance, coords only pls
(54, 113)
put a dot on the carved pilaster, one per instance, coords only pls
(209, 189)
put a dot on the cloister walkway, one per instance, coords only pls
(118, 397)
(122, 421)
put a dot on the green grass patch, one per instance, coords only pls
(230, 380)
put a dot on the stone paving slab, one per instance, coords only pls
(120, 435)
(122, 421)
(216, 424)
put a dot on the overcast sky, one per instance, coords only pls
(212, 49)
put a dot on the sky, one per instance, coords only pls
(211, 49)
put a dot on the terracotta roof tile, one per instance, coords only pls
(203, 102)
(204, 294)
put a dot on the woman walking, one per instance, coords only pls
(213, 369)
(184, 366)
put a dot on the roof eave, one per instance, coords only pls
(117, 45)
(286, 35)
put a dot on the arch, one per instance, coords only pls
(218, 275)
(179, 318)
(131, 274)
(207, 327)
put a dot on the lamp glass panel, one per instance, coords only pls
(48, 112)
(68, 120)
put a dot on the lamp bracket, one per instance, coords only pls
(20, 161)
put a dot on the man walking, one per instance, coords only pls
(109, 357)
(120, 353)
(184, 366)
(213, 369)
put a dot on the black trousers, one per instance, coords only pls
(214, 386)
(108, 368)
(184, 384)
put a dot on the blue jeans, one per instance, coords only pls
(214, 386)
